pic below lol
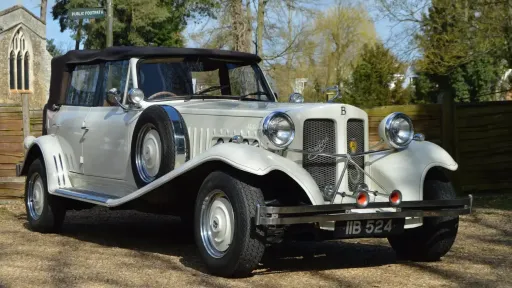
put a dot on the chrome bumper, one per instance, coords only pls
(342, 212)
(19, 166)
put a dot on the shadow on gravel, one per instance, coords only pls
(318, 256)
(165, 235)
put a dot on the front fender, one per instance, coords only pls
(48, 148)
(405, 170)
(247, 158)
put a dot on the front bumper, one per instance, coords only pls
(342, 212)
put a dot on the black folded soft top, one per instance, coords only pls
(63, 65)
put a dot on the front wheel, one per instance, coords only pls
(45, 213)
(435, 237)
(224, 233)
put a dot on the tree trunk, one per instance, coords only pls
(238, 29)
(260, 26)
(289, 37)
(44, 4)
(248, 25)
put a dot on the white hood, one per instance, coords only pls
(236, 108)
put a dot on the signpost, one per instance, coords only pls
(86, 13)
(92, 13)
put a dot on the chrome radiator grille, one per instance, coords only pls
(320, 136)
(355, 134)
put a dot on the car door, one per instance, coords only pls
(107, 144)
(68, 122)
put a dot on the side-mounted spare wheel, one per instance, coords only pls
(228, 242)
(159, 143)
(45, 212)
(435, 237)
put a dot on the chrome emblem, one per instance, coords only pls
(352, 144)
(319, 148)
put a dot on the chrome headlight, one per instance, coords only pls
(396, 130)
(278, 128)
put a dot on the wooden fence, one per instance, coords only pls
(479, 137)
(483, 146)
(11, 146)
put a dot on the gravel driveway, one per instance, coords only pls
(99, 248)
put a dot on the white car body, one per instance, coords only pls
(291, 169)
(101, 162)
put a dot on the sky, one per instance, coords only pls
(63, 40)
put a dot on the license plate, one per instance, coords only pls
(368, 228)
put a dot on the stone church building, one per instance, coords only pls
(24, 60)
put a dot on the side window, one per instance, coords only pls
(115, 76)
(82, 90)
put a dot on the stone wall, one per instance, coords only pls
(34, 30)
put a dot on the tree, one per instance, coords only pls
(463, 52)
(342, 31)
(52, 48)
(377, 79)
(136, 22)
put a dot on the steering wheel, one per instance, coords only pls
(160, 94)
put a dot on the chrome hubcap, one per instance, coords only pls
(35, 196)
(217, 223)
(148, 153)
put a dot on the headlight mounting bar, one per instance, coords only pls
(349, 160)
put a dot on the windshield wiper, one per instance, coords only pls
(210, 89)
(253, 94)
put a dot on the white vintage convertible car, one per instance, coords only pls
(200, 134)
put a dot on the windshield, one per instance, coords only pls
(203, 78)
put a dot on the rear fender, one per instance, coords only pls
(406, 170)
(48, 149)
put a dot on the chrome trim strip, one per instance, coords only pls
(82, 196)
(181, 149)
(57, 167)
(19, 167)
(62, 168)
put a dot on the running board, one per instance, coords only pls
(85, 196)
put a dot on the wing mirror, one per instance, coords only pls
(114, 97)
(135, 96)
(296, 98)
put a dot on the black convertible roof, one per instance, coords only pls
(62, 66)
(125, 52)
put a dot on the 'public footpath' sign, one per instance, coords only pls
(86, 13)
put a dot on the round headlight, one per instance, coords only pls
(278, 128)
(396, 130)
(296, 98)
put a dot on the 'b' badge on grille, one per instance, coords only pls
(353, 146)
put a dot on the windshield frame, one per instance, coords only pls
(254, 65)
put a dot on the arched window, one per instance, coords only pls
(19, 62)
(19, 72)
(26, 69)
(12, 69)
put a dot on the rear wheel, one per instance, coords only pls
(45, 213)
(224, 231)
(435, 237)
